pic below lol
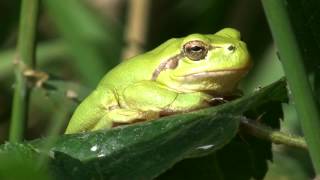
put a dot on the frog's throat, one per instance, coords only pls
(213, 74)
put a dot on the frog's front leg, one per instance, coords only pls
(152, 97)
(92, 112)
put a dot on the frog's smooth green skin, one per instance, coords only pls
(180, 75)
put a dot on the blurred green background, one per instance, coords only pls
(78, 41)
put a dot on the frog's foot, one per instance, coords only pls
(225, 98)
(127, 116)
(217, 100)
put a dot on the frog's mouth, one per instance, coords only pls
(214, 74)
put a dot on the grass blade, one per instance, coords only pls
(296, 75)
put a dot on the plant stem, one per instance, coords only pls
(24, 59)
(277, 137)
(296, 75)
(136, 27)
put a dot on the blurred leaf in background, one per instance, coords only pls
(96, 45)
(18, 162)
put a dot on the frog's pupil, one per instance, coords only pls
(196, 48)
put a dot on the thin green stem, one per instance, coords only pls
(296, 75)
(24, 59)
(261, 131)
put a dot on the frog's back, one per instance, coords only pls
(140, 67)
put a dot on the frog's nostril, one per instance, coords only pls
(231, 48)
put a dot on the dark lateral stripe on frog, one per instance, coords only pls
(171, 63)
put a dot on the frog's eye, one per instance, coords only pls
(195, 50)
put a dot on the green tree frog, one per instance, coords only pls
(180, 75)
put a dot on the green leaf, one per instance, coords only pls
(245, 157)
(145, 150)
